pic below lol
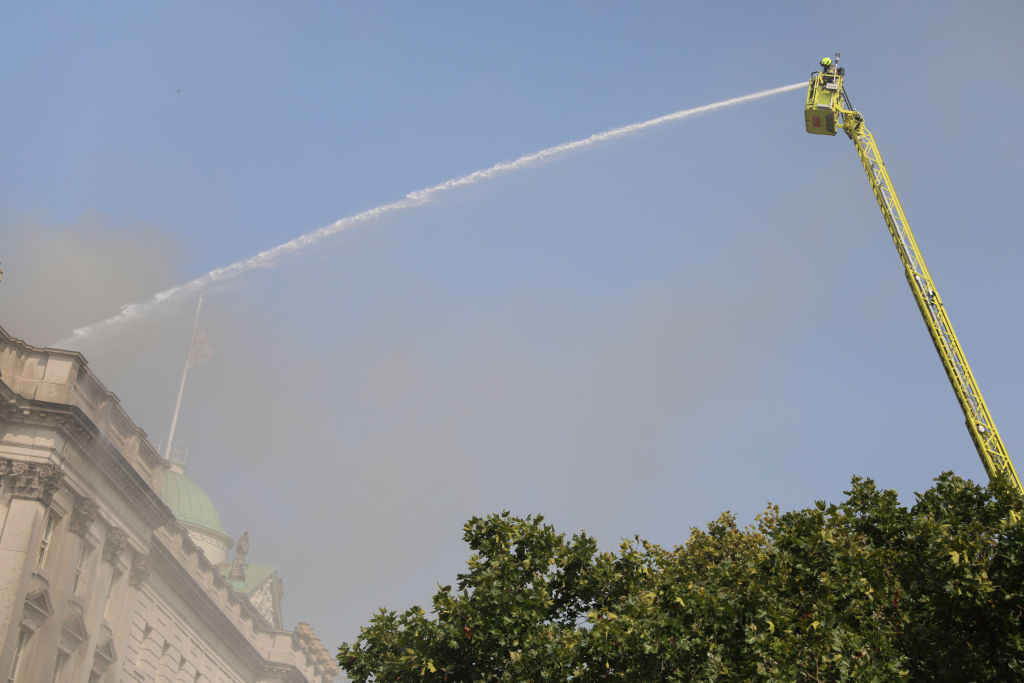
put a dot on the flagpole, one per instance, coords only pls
(184, 375)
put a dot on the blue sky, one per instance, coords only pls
(705, 316)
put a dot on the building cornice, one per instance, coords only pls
(231, 607)
(74, 425)
(165, 563)
(47, 377)
(168, 566)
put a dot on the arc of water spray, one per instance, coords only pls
(270, 256)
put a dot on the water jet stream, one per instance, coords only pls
(268, 257)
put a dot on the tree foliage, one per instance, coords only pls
(866, 589)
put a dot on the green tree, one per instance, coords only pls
(866, 589)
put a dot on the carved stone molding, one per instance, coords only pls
(105, 653)
(305, 633)
(82, 516)
(140, 569)
(32, 480)
(73, 633)
(311, 644)
(115, 544)
(38, 608)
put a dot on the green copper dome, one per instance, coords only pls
(190, 504)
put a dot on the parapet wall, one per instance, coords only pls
(64, 378)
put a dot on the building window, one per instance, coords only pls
(58, 667)
(81, 569)
(19, 650)
(47, 540)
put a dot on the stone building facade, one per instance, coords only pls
(100, 579)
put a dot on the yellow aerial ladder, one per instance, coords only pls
(828, 109)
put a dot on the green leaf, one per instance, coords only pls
(869, 573)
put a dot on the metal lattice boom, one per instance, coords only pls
(824, 113)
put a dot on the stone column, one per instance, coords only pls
(83, 514)
(113, 545)
(32, 486)
(113, 549)
(136, 578)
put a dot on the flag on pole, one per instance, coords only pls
(202, 349)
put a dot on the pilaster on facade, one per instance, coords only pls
(100, 651)
(25, 601)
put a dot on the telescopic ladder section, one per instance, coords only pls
(979, 421)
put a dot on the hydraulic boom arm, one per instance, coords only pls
(828, 108)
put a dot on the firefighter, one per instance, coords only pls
(828, 70)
